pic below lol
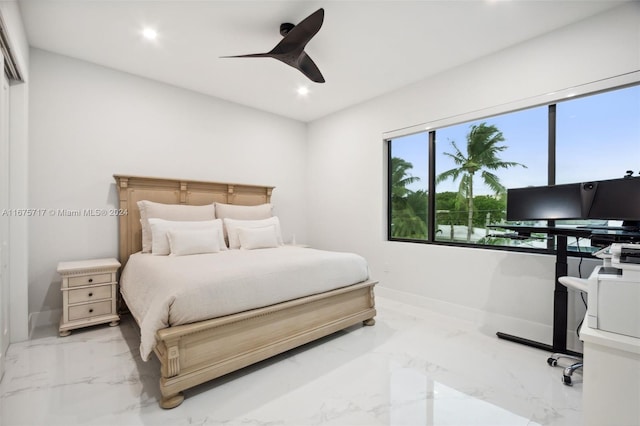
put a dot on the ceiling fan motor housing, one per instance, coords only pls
(285, 28)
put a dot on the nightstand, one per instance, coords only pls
(89, 289)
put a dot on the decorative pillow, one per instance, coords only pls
(179, 212)
(232, 225)
(258, 238)
(232, 211)
(160, 228)
(194, 241)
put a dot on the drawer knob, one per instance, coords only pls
(90, 294)
(91, 310)
(90, 280)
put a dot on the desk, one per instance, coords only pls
(560, 294)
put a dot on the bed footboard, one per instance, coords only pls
(196, 353)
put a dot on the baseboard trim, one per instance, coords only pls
(487, 322)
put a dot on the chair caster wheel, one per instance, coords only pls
(552, 362)
(567, 380)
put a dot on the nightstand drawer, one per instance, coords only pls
(89, 310)
(89, 294)
(89, 279)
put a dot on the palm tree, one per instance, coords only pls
(481, 157)
(405, 221)
(400, 179)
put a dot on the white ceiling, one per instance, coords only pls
(364, 49)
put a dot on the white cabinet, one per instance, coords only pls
(611, 387)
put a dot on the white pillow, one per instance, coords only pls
(160, 227)
(233, 211)
(194, 241)
(178, 212)
(232, 225)
(258, 238)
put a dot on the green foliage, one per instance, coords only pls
(400, 179)
(405, 224)
(450, 211)
(496, 208)
(418, 202)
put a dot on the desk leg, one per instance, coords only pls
(526, 342)
(560, 297)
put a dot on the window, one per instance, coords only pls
(408, 160)
(453, 196)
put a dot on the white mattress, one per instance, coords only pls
(163, 291)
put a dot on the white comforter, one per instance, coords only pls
(163, 291)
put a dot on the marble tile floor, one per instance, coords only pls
(414, 367)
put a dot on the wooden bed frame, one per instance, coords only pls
(195, 353)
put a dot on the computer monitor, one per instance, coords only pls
(614, 199)
(553, 202)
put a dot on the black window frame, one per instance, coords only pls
(431, 173)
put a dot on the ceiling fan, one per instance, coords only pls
(290, 50)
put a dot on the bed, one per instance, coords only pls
(202, 348)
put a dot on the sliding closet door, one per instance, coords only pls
(4, 216)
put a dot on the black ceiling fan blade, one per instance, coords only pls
(251, 55)
(298, 37)
(309, 68)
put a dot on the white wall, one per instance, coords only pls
(84, 117)
(503, 291)
(88, 122)
(18, 175)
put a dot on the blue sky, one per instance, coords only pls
(598, 137)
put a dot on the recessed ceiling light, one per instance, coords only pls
(149, 33)
(303, 90)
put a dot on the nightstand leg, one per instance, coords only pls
(65, 333)
(114, 323)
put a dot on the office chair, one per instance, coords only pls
(580, 285)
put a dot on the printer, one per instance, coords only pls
(614, 291)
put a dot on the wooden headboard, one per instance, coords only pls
(132, 189)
